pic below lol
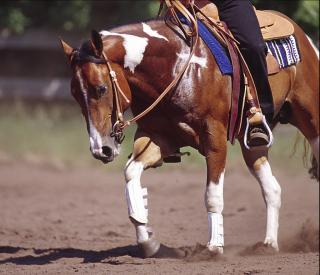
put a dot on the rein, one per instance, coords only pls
(117, 128)
(121, 124)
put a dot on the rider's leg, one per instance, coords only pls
(243, 23)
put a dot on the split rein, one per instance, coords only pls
(192, 35)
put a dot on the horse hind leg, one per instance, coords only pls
(257, 162)
(305, 117)
(304, 99)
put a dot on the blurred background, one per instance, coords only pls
(39, 121)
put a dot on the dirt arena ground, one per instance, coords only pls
(66, 221)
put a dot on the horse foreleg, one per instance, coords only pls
(257, 162)
(145, 154)
(216, 159)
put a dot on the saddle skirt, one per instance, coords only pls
(272, 25)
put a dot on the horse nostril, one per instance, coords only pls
(107, 151)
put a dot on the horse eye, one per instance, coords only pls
(101, 90)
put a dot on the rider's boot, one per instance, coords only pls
(258, 134)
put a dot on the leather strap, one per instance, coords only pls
(232, 129)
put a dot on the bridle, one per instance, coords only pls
(120, 124)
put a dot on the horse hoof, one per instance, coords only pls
(261, 248)
(271, 245)
(149, 248)
(217, 250)
(169, 252)
(153, 249)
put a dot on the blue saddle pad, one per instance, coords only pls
(217, 50)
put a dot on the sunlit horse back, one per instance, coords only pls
(145, 58)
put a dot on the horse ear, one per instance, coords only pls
(67, 49)
(97, 43)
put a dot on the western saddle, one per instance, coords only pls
(271, 24)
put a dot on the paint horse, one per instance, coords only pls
(144, 58)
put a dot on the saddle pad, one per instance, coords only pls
(285, 50)
(217, 50)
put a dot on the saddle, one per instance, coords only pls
(272, 25)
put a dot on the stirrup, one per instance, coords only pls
(265, 124)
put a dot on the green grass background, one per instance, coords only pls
(55, 134)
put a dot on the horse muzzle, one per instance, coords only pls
(105, 154)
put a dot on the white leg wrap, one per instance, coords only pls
(216, 238)
(214, 204)
(134, 193)
(135, 201)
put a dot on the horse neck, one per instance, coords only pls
(147, 53)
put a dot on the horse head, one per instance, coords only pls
(93, 87)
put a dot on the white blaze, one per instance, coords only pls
(135, 47)
(95, 139)
(94, 136)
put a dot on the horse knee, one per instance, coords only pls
(133, 169)
(147, 152)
